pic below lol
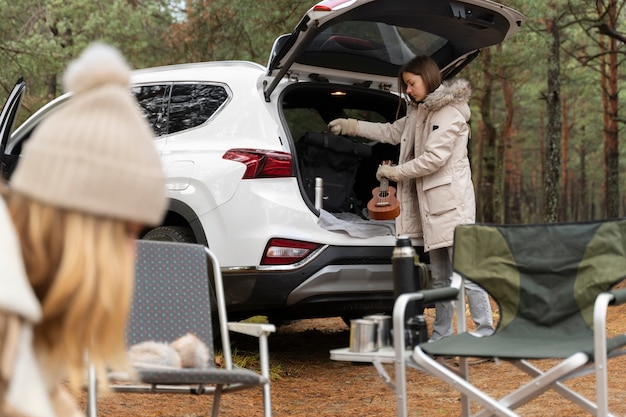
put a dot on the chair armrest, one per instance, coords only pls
(262, 331)
(430, 295)
(619, 296)
(252, 329)
(440, 294)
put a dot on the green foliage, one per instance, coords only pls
(232, 29)
(38, 45)
(251, 360)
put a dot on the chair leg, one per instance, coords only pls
(265, 371)
(92, 391)
(543, 381)
(600, 356)
(562, 389)
(465, 399)
(461, 384)
(217, 396)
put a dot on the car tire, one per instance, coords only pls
(171, 234)
(183, 234)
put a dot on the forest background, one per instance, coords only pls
(545, 111)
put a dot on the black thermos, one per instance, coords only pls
(406, 279)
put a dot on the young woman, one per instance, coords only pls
(89, 179)
(434, 181)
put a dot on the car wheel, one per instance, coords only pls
(183, 234)
(171, 234)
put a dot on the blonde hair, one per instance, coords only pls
(81, 269)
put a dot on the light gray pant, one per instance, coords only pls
(478, 300)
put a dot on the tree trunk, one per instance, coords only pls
(51, 86)
(585, 200)
(553, 137)
(565, 207)
(489, 199)
(610, 102)
(510, 163)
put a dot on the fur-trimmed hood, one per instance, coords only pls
(453, 92)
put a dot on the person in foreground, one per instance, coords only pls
(88, 181)
(435, 188)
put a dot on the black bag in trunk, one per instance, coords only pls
(335, 159)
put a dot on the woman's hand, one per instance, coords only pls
(387, 171)
(347, 127)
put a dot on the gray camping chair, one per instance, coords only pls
(172, 297)
(552, 283)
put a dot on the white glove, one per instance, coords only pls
(348, 127)
(387, 171)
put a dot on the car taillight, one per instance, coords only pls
(286, 251)
(262, 163)
(328, 5)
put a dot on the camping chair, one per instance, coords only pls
(552, 284)
(173, 297)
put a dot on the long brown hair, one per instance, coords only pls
(81, 269)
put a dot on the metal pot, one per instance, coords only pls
(383, 332)
(363, 335)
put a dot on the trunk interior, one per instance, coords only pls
(347, 165)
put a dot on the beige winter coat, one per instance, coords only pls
(435, 187)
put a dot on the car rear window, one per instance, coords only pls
(172, 108)
(370, 47)
(193, 104)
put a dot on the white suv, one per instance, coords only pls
(242, 146)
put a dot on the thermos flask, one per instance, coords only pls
(406, 279)
(403, 262)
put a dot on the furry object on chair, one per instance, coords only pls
(185, 352)
(150, 354)
(193, 352)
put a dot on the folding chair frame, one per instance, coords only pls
(572, 367)
(576, 365)
(259, 330)
(402, 355)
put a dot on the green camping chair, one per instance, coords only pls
(552, 284)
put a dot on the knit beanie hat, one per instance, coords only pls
(95, 153)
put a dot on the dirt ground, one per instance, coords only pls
(307, 383)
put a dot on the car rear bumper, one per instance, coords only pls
(338, 281)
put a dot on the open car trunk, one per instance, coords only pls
(347, 165)
(343, 59)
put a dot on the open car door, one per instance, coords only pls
(7, 120)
